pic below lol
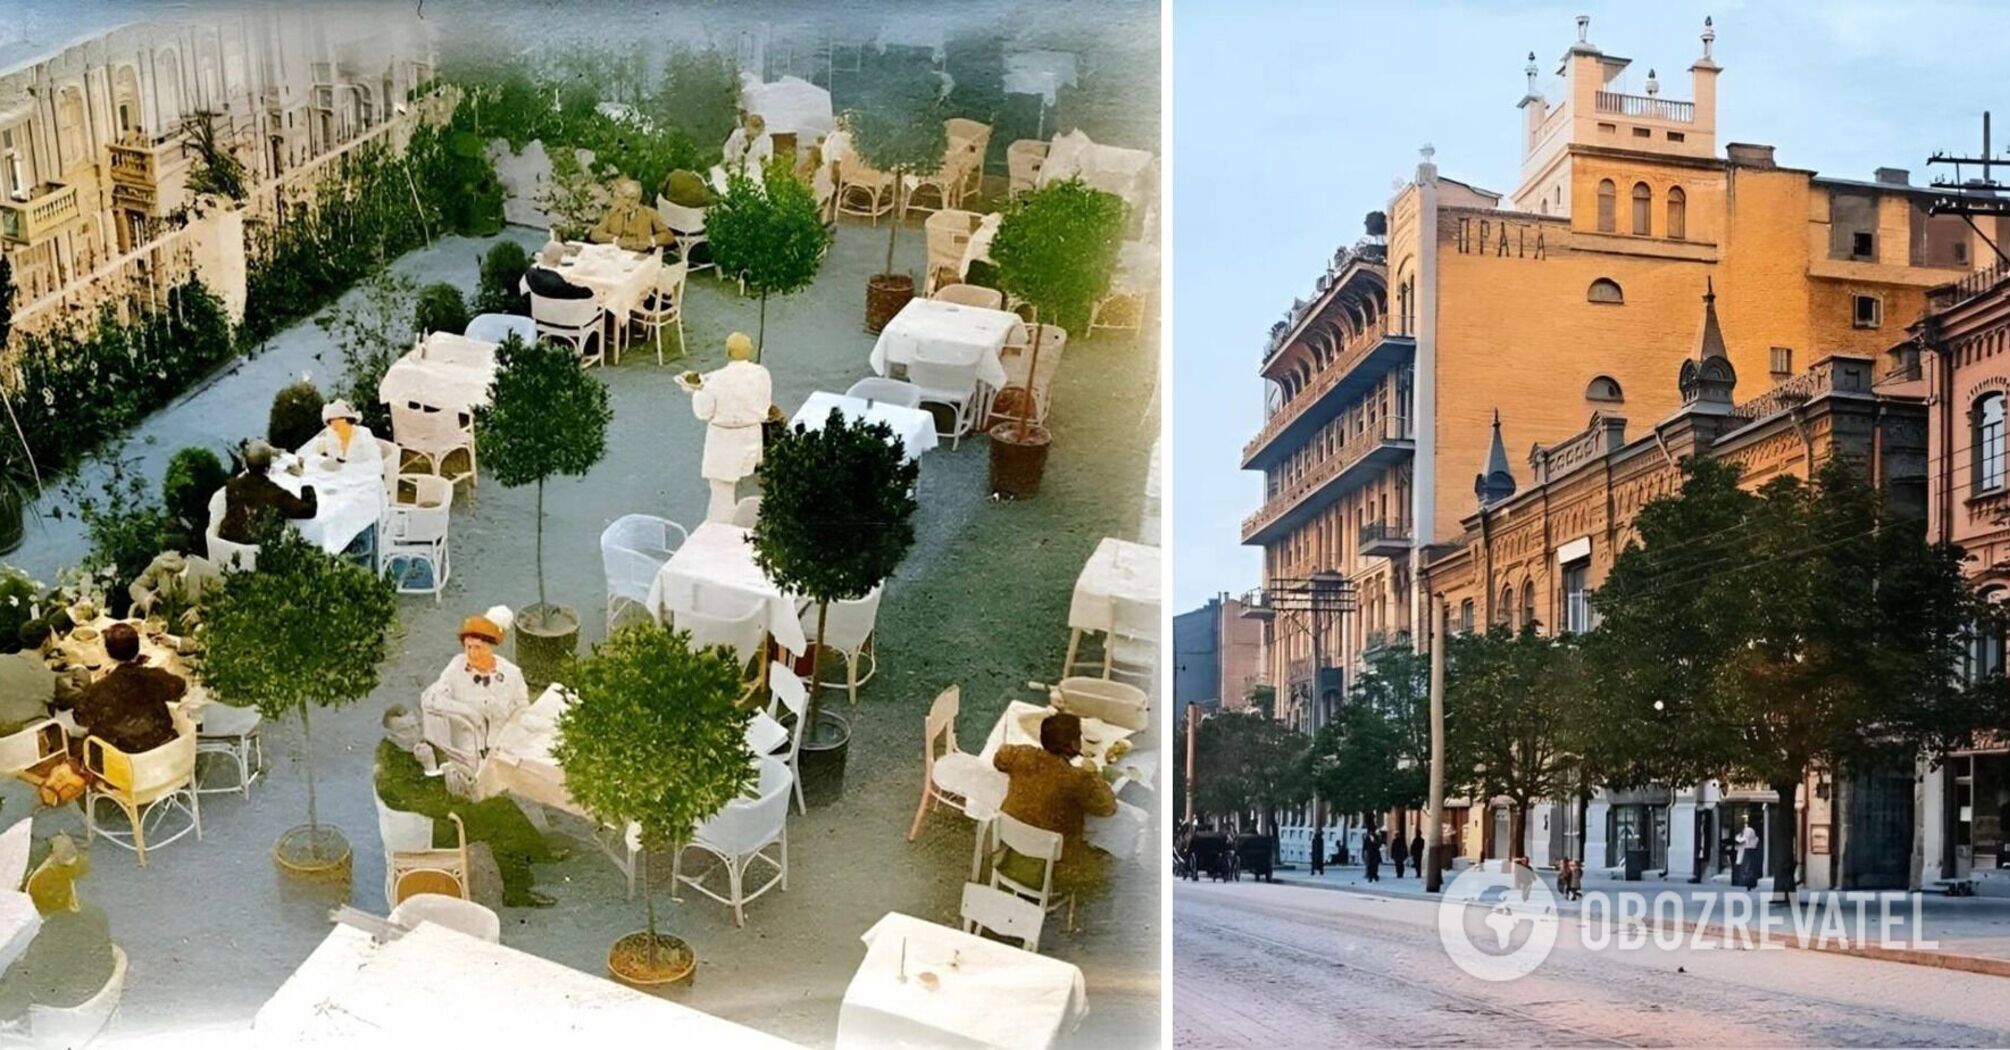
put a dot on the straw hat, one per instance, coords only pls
(490, 626)
(338, 409)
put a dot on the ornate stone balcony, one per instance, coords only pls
(48, 208)
(1353, 463)
(1359, 365)
(1647, 107)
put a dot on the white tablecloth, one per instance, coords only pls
(717, 557)
(790, 105)
(989, 994)
(946, 332)
(620, 279)
(1121, 834)
(914, 428)
(1117, 568)
(448, 372)
(438, 987)
(19, 920)
(519, 761)
(348, 500)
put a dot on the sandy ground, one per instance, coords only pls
(1271, 965)
(212, 928)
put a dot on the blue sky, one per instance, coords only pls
(1292, 120)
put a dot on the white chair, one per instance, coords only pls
(891, 391)
(233, 732)
(1017, 357)
(950, 777)
(952, 385)
(632, 551)
(494, 328)
(457, 742)
(971, 140)
(848, 631)
(1132, 646)
(1010, 833)
(863, 190)
(28, 746)
(149, 787)
(1118, 703)
(687, 225)
(1023, 160)
(747, 512)
(764, 734)
(970, 295)
(719, 621)
(574, 322)
(454, 913)
(986, 909)
(441, 441)
(738, 836)
(663, 307)
(225, 554)
(415, 533)
(786, 693)
(389, 456)
(948, 233)
(411, 865)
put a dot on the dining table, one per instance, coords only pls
(913, 428)
(349, 496)
(1121, 834)
(925, 985)
(1117, 569)
(519, 759)
(948, 333)
(717, 561)
(443, 371)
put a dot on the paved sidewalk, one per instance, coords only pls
(1970, 933)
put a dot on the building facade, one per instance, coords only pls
(95, 140)
(1217, 658)
(1574, 294)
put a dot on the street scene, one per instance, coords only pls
(1594, 632)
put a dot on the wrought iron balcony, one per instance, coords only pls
(47, 209)
(1360, 364)
(1350, 465)
(1385, 539)
(1646, 106)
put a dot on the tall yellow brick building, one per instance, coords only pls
(1574, 294)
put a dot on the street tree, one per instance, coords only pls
(1376, 755)
(1245, 763)
(1511, 701)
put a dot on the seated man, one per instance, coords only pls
(547, 283)
(479, 690)
(629, 223)
(1047, 790)
(253, 492)
(128, 708)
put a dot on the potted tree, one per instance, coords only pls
(899, 131)
(653, 737)
(306, 630)
(837, 510)
(545, 416)
(1056, 249)
(769, 234)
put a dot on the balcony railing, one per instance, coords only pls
(1350, 453)
(1384, 539)
(48, 208)
(1646, 106)
(1351, 354)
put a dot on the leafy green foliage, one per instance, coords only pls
(545, 416)
(441, 309)
(689, 189)
(770, 232)
(1376, 755)
(511, 838)
(1245, 762)
(1511, 704)
(1057, 249)
(193, 476)
(214, 169)
(372, 333)
(461, 186)
(700, 95)
(896, 123)
(20, 598)
(125, 524)
(502, 270)
(508, 102)
(77, 386)
(295, 416)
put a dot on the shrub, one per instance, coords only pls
(373, 332)
(689, 189)
(19, 606)
(126, 527)
(440, 309)
(700, 95)
(296, 415)
(193, 476)
(503, 267)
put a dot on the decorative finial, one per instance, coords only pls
(1531, 70)
(1709, 35)
(1653, 85)
(1583, 27)
(1427, 151)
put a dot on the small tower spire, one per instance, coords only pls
(1496, 484)
(1709, 36)
(1708, 376)
(1653, 84)
(1531, 69)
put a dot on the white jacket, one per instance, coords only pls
(733, 401)
(486, 701)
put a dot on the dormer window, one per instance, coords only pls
(1605, 290)
(1605, 389)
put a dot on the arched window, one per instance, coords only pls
(1678, 213)
(1528, 603)
(1507, 607)
(1466, 616)
(1603, 388)
(1643, 210)
(1988, 443)
(1605, 290)
(1607, 205)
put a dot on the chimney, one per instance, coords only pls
(1893, 177)
(1749, 155)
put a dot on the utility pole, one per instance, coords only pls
(1192, 733)
(1434, 830)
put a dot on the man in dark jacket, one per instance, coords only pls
(253, 492)
(547, 283)
(1371, 854)
(1417, 853)
(1318, 852)
(1399, 852)
(128, 708)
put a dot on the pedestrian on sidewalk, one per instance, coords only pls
(1417, 853)
(1398, 853)
(1748, 856)
(1318, 852)
(1371, 854)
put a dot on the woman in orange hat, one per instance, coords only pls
(472, 699)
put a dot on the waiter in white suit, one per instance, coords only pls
(733, 401)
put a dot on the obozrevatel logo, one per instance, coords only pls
(1495, 926)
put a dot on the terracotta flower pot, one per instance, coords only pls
(885, 294)
(628, 961)
(1018, 459)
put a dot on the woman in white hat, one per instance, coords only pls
(471, 700)
(344, 439)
